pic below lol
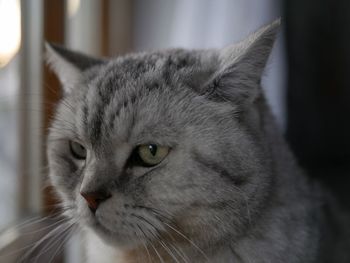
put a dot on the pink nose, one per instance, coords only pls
(94, 199)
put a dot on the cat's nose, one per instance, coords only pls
(94, 199)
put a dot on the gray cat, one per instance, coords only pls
(174, 156)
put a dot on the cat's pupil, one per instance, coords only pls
(153, 149)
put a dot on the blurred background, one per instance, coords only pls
(306, 83)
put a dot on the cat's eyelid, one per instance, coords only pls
(155, 142)
(80, 141)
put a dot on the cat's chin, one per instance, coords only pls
(112, 238)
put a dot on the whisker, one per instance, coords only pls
(157, 237)
(43, 239)
(154, 235)
(156, 230)
(176, 249)
(189, 240)
(160, 215)
(168, 250)
(28, 223)
(60, 247)
(44, 228)
(51, 243)
(143, 243)
(180, 253)
(155, 250)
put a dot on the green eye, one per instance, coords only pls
(78, 151)
(152, 154)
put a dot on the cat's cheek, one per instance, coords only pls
(114, 231)
(60, 187)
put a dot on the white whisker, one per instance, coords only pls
(189, 240)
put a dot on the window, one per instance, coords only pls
(10, 31)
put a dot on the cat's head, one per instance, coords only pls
(151, 145)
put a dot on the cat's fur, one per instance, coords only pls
(229, 190)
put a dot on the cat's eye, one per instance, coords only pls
(151, 154)
(78, 151)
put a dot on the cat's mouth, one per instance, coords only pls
(118, 238)
(125, 223)
(120, 232)
(99, 227)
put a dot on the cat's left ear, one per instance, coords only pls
(241, 67)
(68, 65)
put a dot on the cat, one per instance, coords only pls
(174, 156)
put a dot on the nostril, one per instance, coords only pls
(92, 209)
(94, 199)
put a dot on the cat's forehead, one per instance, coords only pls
(142, 76)
(136, 93)
(149, 66)
(144, 61)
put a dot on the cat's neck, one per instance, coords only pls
(288, 207)
(98, 251)
(174, 253)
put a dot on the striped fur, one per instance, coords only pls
(228, 191)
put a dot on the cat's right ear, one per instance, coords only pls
(241, 66)
(68, 65)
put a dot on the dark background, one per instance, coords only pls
(318, 95)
